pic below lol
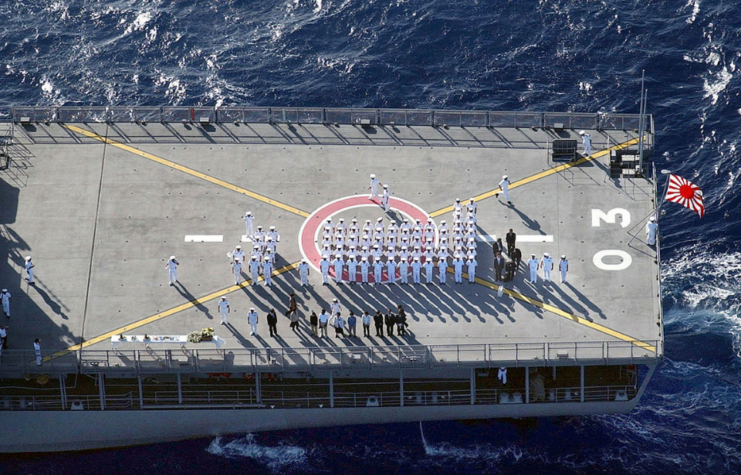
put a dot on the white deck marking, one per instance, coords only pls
(204, 238)
(520, 237)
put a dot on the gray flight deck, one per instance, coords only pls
(101, 221)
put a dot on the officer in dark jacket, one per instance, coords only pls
(511, 238)
(378, 320)
(272, 322)
(390, 320)
(498, 266)
(401, 319)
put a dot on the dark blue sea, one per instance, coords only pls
(546, 55)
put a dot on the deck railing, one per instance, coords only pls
(277, 360)
(318, 115)
(246, 399)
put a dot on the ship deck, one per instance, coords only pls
(101, 207)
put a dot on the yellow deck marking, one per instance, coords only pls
(166, 313)
(543, 174)
(187, 170)
(562, 313)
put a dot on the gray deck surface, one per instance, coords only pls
(100, 223)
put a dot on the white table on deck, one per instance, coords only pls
(181, 340)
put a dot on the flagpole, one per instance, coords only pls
(656, 208)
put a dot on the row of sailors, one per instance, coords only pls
(392, 267)
(416, 229)
(394, 235)
(376, 253)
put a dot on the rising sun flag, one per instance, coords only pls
(686, 194)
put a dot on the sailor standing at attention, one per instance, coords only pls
(563, 266)
(374, 186)
(364, 269)
(533, 265)
(458, 268)
(249, 221)
(303, 270)
(416, 267)
(377, 271)
(338, 264)
(391, 270)
(472, 269)
(504, 187)
(404, 270)
(429, 266)
(171, 266)
(252, 319)
(5, 297)
(237, 271)
(442, 266)
(267, 271)
(385, 199)
(547, 264)
(586, 141)
(651, 228)
(324, 267)
(352, 269)
(29, 271)
(224, 310)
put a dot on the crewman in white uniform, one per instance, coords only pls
(267, 271)
(471, 208)
(586, 141)
(352, 269)
(429, 266)
(533, 265)
(458, 268)
(338, 265)
(563, 267)
(376, 253)
(224, 310)
(29, 271)
(5, 297)
(504, 187)
(254, 270)
(249, 224)
(259, 236)
(252, 319)
(377, 271)
(238, 254)
(651, 229)
(385, 199)
(416, 268)
(237, 271)
(442, 266)
(273, 233)
(303, 271)
(270, 248)
(324, 267)
(391, 269)
(171, 266)
(547, 264)
(335, 307)
(404, 270)
(364, 269)
(457, 206)
(374, 186)
(472, 269)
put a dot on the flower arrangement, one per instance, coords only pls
(206, 334)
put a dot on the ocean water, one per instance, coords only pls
(577, 55)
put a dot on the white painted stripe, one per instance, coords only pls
(204, 238)
(520, 237)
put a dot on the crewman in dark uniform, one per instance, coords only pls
(498, 266)
(511, 238)
(390, 320)
(378, 320)
(272, 322)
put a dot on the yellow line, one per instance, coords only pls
(166, 313)
(187, 170)
(562, 313)
(543, 174)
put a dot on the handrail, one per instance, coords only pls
(319, 115)
(278, 360)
